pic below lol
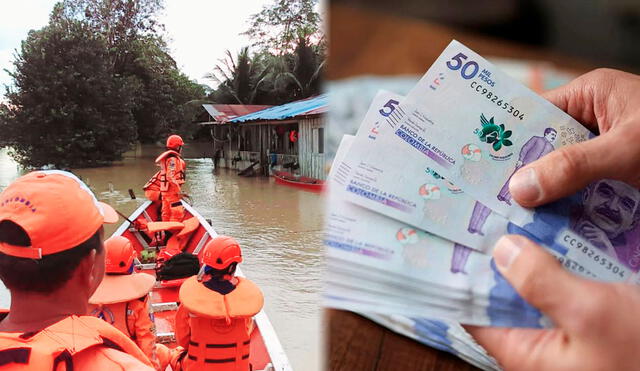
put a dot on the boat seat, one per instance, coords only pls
(190, 225)
(154, 227)
(180, 240)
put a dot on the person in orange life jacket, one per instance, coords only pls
(172, 177)
(215, 318)
(121, 299)
(52, 261)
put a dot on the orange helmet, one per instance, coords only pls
(220, 252)
(174, 142)
(119, 255)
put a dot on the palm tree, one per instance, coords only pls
(269, 78)
(294, 76)
(239, 77)
(309, 62)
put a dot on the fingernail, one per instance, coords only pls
(524, 185)
(506, 252)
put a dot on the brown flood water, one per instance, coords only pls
(278, 227)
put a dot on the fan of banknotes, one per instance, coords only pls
(419, 196)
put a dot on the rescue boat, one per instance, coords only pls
(302, 182)
(266, 350)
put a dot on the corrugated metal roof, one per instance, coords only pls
(226, 112)
(309, 106)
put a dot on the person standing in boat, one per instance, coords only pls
(172, 176)
(215, 318)
(122, 300)
(52, 261)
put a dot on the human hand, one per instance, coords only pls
(607, 102)
(596, 323)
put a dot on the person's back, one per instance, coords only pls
(171, 178)
(52, 260)
(122, 299)
(214, 321)
(76, 342)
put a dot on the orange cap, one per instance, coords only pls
(119, 254)
(221, 251)
(56, 209)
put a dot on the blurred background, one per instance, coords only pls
(601, 32)
(388, 45)
(376, 44)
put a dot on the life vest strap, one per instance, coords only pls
(228, 345)
(15, 355)
(111, 344)
(66, 358)
(216, 360)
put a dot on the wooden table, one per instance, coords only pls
(365, 42)
(356, 343)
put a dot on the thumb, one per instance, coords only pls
(538, 277)
(567, 170)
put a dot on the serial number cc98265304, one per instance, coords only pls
(596, 256)
(495, 99)
(468, 70)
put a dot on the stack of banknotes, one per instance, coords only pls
(420, 195)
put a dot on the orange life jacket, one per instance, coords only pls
(153, 183)
(126, 317)
(152, 188)
(117, 315)
(164, 170)
(58, 343)
(218, 323)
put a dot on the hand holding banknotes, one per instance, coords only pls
(596, 323)
(426, 189)
(593, 331)
(607, 102)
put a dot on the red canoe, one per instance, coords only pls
(302, 182)
(266, 350)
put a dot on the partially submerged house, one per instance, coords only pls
(288, 137)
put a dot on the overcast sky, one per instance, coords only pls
(199, 31)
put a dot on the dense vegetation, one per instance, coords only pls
(287, 64)
(99, 78)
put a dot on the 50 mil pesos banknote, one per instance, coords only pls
(597, 226)
(377, 175)
(410, 263)
(380, 170)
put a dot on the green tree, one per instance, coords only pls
(279, 25)
(121, 22)
(161, 90)
(66, 107)
(238, 78)
(137, 50)
(308, 66)
(266, 78)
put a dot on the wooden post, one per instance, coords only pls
(264, 148)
